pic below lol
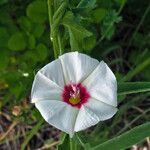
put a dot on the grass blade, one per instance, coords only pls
(31, 134)
(127, 139)
(137, 70)
(133, 87)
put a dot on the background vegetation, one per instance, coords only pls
(116, 31)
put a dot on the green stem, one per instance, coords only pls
(71, 143)
(53, 38)
(60, 45)
(50, 12)
(55, 46)
(54, 21)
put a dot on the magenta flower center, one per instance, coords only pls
(75, 94)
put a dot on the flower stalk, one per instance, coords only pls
(53, 37)
(71, 144)
(55, 17)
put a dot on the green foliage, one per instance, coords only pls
(137, 69)
(17, 42)
(38, 30)
(4, 59)
(86, 4)
(98, 28)
(31, 134)
(77, 32)
(65, 144)
(127, 139)
(133, 87)
(108, 28)
(3, 2)
(4, 36)
(31, 42)
(37, 11)
(42, 51)
(88, 43)
(25, 24)
(99, 14)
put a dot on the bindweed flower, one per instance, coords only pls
(75, 92)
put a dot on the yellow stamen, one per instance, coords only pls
(74, 100)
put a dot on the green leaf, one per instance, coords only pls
(86, 4)
(108, 24)
(38, 30)
(110, 31)
(71, 21)
(25, 23)
(60, 11)
(89, 43)
(98, 14)
(111, 17)
(68, 143)
(4, 55)
(82, 139)
(31, 42)
(42, 51)
(65, 144)
(4, 36)
(37, 11)
(133, 87)
(120, 1)
(127, 139)
(17, 42)
(57, 18)
(141, 56)
(137, 70)
(105, 4)
(84, 7)
(76, 32)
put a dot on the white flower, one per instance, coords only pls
(75, 92)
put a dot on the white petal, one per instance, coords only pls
(54, 72)
(43, 88)
(77, 66)
(48, 82)
(102, 84)
(93, 112)
(102, 110)
(59, 114)
(85, 119)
